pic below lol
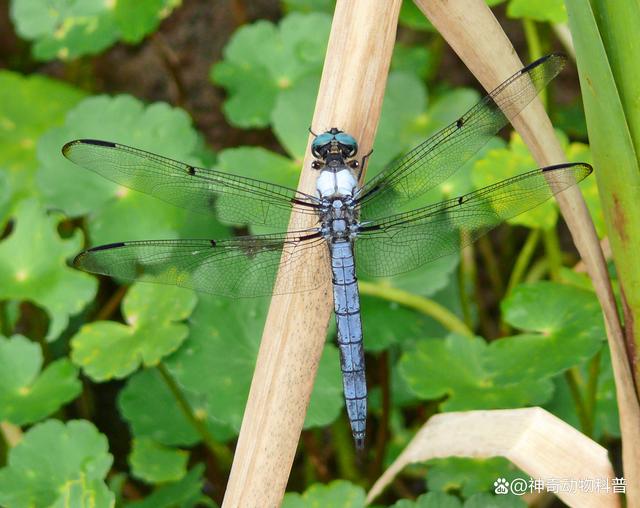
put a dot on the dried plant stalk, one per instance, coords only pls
(350, 98)
(536, 441)
(475, 35)
(11, 433)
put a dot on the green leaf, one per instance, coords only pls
(123, 119)
(155, 463)
(512, 371)
(408, 118)
(425, 280)
(309, 5)
(26, 394)
(137, 18)
(553, 11)
(603, 34)
(442, 500)
(403, 120)
(411, 16)
(564, 328)
(83, 493)
(186, 493)
(468, 476)
(50, 455)
(606, 424)
(464, 370)
(570, 118)
(223, 344)
(28, 107)
(70, 28)
(578, 152)
(291, 118)
(387, 323)
(65, 29)
(152, 411)
(154, 329)
(430, 500)
(337, 494)
(326, 397)
(505, 163)
(40, 273)
(490, 501)
(261, 164)
(253, 79)
(418, 60)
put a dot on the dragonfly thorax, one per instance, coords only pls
(339, 220)
(336, 183)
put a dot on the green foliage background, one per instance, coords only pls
(134, 395)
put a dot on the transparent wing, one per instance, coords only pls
(406, 241)
(232, 198)
(435, 160)
(237, 267)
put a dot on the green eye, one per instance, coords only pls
(348, 142)
(345, 139)
(321, 140)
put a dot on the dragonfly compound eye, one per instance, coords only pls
(320, 145)
(348, 144)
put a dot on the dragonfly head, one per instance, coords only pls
(334, 142)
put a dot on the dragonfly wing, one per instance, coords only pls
(237, 267)
(406, 241)
(232, 198)
(435, 160)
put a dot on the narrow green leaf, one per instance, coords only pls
(605, 35)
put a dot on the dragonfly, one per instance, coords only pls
(352, 225)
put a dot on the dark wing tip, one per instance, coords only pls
(67, 147)
(583, 170)
(77, 261)
(106, 246)
(561, 59)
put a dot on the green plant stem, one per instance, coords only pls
(554, 254)
(112, 304)
(537, 271)
(534, 46)
(424, 305)
(315, 467)
(345, 451)
(491, 264)
(523, 260)
(220, 452)
(4, 449)
(466, 274)
(519, 268)
(382, 434)
(591, 391)
(5, 329)
(572, 377)
(464, 300)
